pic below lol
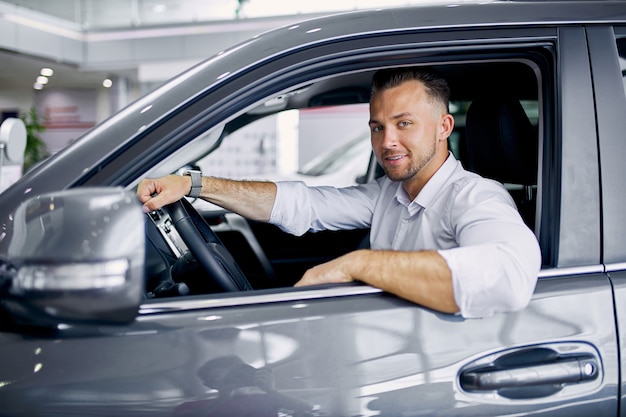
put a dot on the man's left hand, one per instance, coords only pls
(332, 272)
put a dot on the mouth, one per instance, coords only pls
(394, 159)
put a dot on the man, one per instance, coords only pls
(441, 236)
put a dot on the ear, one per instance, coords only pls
(446, 126)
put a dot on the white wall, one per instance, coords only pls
(20, 100)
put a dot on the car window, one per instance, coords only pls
(313, 133)
(278, 147)
(320, 146)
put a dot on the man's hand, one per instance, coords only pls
(332, 272)
(156, 193)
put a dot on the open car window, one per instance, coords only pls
(320, 146)
(317, 133)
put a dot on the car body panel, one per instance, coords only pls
(618, 279)
(611, 105)
(371, 353)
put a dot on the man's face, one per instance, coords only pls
(408, 132)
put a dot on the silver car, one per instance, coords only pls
(106, 311)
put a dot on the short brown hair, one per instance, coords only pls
(435, 83)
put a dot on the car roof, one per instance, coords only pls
(460, 14)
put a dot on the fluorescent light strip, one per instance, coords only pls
(45, 27)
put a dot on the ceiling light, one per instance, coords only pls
(42, 80)
(107, 83)
(38, 86)
(47, 72)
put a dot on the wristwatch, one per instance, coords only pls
(196, 182)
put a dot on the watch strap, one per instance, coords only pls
(196, 183)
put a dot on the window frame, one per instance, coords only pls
(350, 56)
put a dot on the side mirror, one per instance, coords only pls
(78, 256)
(12, 140)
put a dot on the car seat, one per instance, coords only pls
(502, 144)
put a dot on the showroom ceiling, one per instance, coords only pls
(19, 70)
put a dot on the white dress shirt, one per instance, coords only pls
(471, 221)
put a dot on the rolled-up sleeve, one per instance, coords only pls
(493, 278)
(496, 265)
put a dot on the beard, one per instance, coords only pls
(417, 161)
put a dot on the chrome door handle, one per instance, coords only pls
(565, 371)
(532, 372)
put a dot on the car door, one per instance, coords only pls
(346, 350)
(608, 52)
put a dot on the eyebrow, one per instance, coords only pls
(394, 117)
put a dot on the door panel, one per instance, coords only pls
(608, 82)
(355, 354)
(608, 79)
(618, 278)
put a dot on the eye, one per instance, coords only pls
(377, 128)
(404, 123)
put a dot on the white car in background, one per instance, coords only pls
(341, 166)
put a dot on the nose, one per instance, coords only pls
(389, 139)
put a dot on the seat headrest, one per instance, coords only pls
(501, 143)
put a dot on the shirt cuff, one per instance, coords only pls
(485, 280)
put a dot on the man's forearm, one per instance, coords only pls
(251, 199)
(421, 277)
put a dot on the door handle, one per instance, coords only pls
(565, 371)
(530, 372)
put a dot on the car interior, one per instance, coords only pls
(497, 134)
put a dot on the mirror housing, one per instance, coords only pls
(78, 256)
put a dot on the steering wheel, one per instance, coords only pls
(207, 248)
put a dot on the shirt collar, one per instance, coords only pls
(432, 187)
